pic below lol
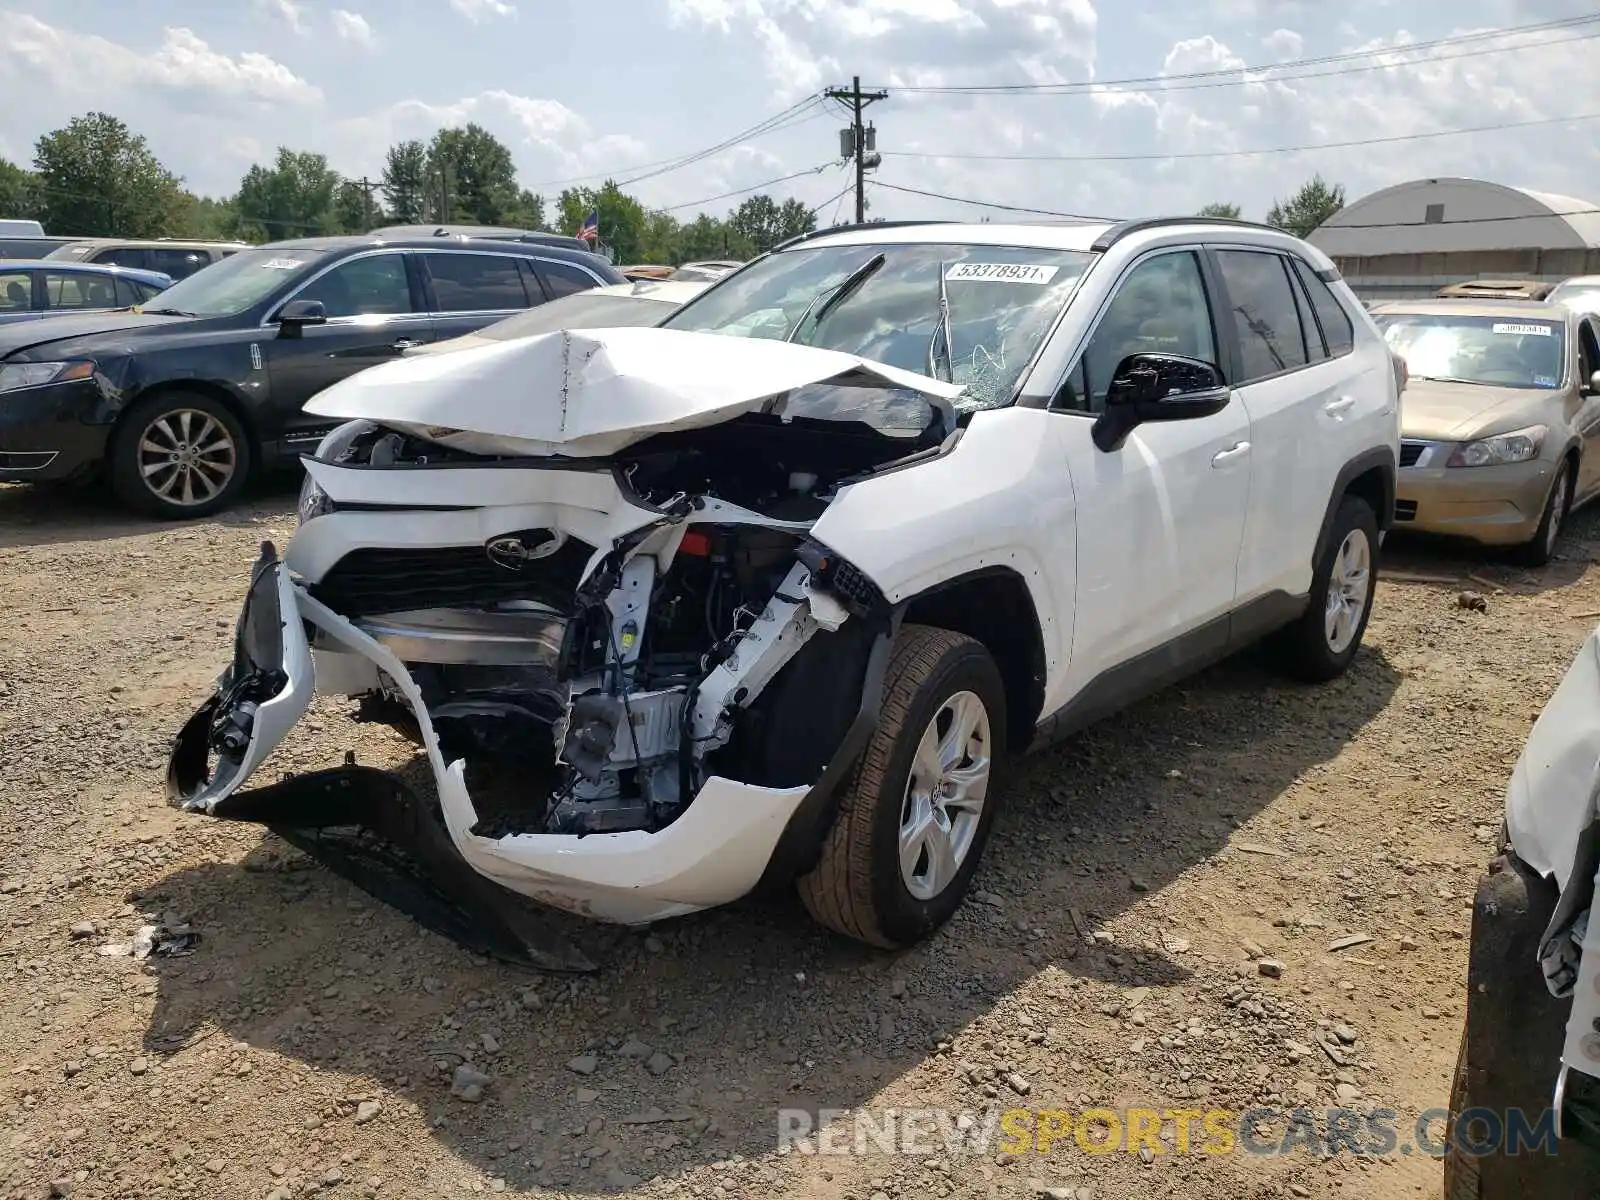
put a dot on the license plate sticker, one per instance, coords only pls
(1523, 330)
(976, 272)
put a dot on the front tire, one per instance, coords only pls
(178, 455)
(1539, 549)
(1321, 644)
(913, 821)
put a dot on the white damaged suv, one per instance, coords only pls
(772, 593)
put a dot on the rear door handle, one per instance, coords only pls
(1342, 405)
(1232, 454)
(405, 344)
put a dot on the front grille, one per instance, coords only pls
(371, 581)
(1410, 452)
(1405, 510)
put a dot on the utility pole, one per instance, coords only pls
(860, 142)
(366, 186)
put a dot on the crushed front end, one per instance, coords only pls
(628, 672)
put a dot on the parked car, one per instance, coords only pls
(1500, 421)
(1496, 289)
(706, 272)
(31, 290)
(1525, 1098)
(614, 306)
(1581, 292)
(771, 593)
(646, 271)
(174, 258)
(177, 403)
(492, 232)
(31, 247)
(16, 227)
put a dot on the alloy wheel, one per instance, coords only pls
(945, 794)
(1349, 590)
(187, 457)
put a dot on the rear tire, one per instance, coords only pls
(913, 820)
(178, 455)
(1321, 644)
(1539, 549)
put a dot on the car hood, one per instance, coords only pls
(1438, 411)
(591, 393)
(16, 339)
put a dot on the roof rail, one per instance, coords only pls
(851, 228)
(1122, 229)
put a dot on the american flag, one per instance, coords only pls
(589, 231)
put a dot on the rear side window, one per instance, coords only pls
(1264, 314)
(563, 279)
(1336, 328)
(178, 263)
(65, 289)
(122, 256)
(476, 282)
(16, 291)
(1316, 351)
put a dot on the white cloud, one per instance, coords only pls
(352, 27)
(1284, 43)
(290, 12)
(481, 10)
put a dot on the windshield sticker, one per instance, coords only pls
(975, 272)
(1544, 381)
(1521, 330)
(282, 264)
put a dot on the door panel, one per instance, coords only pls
(373, 316)
(1161, 519)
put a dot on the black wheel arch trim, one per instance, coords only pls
(1379, 458)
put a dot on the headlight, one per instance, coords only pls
(314, 502)
(21, 375)
(1519, 445)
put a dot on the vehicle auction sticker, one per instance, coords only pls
(976, 272)
(1521, 330)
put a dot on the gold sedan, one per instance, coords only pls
(1498, 421)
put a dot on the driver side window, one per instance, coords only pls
(371, 285)
(1161, 308)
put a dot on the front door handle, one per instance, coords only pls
(1232, 454)
(1337, 407)
(403, 344)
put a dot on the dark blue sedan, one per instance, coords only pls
(30, 290)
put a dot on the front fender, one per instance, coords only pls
(1002, 497)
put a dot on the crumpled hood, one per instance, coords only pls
(590, 393)
(1448, 412)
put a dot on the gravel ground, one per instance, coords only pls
(314, 1040)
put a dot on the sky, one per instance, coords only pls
(582, 91)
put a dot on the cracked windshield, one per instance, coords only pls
(972, 315)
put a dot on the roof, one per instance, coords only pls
(352, 241)
(64, 266)
(150, 243)
(1467, 214)
(1474, 307)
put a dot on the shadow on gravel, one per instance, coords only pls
(54, 515)
(1455, 559)
(754, 1008)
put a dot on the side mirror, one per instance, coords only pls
(1158, 387)
(1594, 384)
(294, 316)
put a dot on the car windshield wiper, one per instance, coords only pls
(825, 302)
(941, 335)
(168, 312)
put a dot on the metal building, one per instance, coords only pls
(1411, 239)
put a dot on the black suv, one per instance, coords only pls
(179, 401)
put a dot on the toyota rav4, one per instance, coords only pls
(773, 593)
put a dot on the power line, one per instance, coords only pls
(755, 187)
(1292, 64)
(1038, 212)
(766, 126)
(1194, 154)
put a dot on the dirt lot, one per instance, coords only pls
(310, 1040)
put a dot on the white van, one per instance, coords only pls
(20, 229)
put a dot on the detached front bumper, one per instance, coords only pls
(714, 853)
(1495, 506)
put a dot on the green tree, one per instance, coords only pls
(661, 240)
(405, 184)
(756, 224)
(99, 178)
(527, 212)
(703, 237)
(479, 176)
(622, 218)
(354, 211)
(1308, 208)
(19, 193)
(205, 218)
(291, 198)
(1230, 212)
(794, 218)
